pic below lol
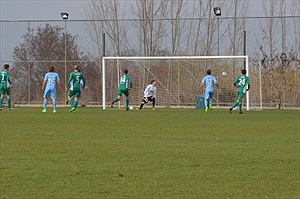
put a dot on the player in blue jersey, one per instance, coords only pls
(49, 88)
(209, 81)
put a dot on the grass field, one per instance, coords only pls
(167, 153)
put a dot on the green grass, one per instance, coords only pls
(167, 153)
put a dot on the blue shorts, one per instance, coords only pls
(50, 93)
(209, 94)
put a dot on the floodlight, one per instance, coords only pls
(217, 11)
(64, 15)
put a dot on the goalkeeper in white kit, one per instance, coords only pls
(149, 94)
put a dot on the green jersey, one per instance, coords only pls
(76, 77)
(125, 82)
(4, 79)
(242, 82)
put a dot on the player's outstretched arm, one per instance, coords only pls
(69, 81)
(217, 85)
(8, 79)
(44, 84)
(83, 79)
(59, 85)
(130, 86)
(10, 82)
(202, 87)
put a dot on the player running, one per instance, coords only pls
(124, 88)
(50, 80)
(5, 84)
(76, 77)
(149, 94)
(71, 98)
(210, 81)
(243, 85)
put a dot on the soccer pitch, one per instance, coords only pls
(167, 153)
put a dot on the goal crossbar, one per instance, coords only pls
(170, 58)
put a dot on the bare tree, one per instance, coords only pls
(94, 29)
(150, 30)
(295, 30)
(282, 6)
(110, 14)
(41, 48)
(237, 26)
(278, 81)
(198, 36)
(176, 9)
(210, 25)
(270, 10)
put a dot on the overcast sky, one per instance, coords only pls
(50, 10)
(32, 10)
(41, 9)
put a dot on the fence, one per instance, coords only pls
(29, 48)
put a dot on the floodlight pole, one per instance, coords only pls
(103, 69)
(245, 41)
(28, 53)
(217, 11)
(65, 57)
(65, 16)
(218, 18)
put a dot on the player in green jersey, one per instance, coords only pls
(71, 98)
(76, 77)
(243, 84)
(4, 88)
(124, 88)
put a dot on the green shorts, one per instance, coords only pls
(4, 91)
(241, 95)
(75, 93)
(123, 91)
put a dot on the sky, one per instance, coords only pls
(32, 10)
(41, 9)
(50, 10)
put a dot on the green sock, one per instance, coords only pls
(1, 101)
(240, 107)
(116, 100)
(8, 102)
(71, 102)
(75, 104)
(127, 102)
(234, 105)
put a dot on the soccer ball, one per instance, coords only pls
(224, 74)
(131, 108)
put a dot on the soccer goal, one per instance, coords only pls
(179, 79)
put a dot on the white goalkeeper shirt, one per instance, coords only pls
(150, 91)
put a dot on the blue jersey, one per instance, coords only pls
(51, 79)
(209, 82)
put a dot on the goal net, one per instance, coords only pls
(178, 79)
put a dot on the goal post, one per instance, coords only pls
(174, 74)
